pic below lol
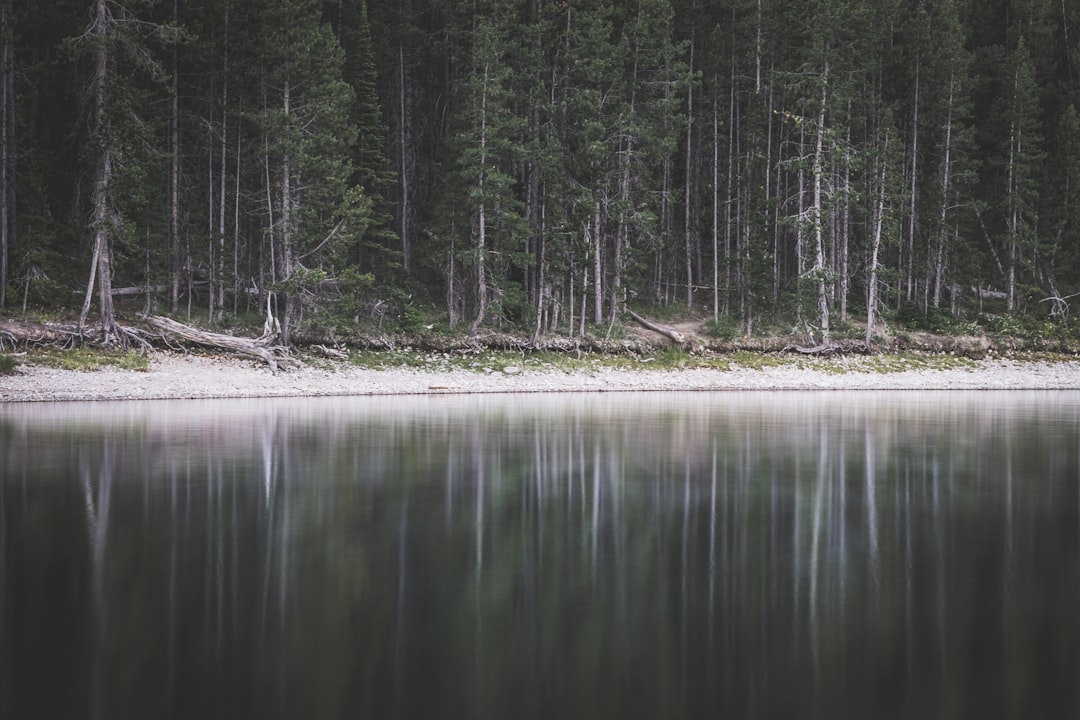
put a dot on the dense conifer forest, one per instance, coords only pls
(541, 167)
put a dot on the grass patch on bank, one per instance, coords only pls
(903, 362)
(89, 359)
(7, 364)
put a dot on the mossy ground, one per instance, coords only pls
(87, 359)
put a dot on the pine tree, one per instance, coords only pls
(307, 132)
(492, 227)
(119, 141)
(380, 247)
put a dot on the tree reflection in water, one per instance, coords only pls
(757, 555)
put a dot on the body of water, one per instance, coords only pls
(757, 555)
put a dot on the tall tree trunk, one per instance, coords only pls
(913, 207)
(403, 161)
(817, 213)
(716, 208)
(730, 190)
(598, 287)
(174, 178)
(481, 233)
(222, 194)
(879, 220)
(7, 146)
(288, 220)
(938, 268)
(845, 226)
(102, 264)
(687, 183)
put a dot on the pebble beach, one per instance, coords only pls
(177, 376)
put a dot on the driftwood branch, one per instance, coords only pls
(265, 348)
(670, 333)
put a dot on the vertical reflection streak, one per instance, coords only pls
(684, 615)
(815, 554)
(595, 527)
(712, 552)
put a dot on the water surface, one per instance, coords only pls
(758, 555)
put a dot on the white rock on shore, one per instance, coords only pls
(192, 376)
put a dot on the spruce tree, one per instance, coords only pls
(307, 132)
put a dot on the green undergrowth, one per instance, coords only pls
(671, 359)
(7, 364)
(87, 359)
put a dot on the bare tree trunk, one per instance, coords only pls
(800, 231)
(481, 234)
(236, 226)
(912, 199)
(816, 210)
(946, 179)
(220, 271)
(716, 210)
(102, 265)
(879, 219)
(7, 147)
(174, 178)
(687, 183)
(598, 294)
(210, 260)
(403, 154)
(845, 226)
(451, 293)
(730, 185)
(287, 221)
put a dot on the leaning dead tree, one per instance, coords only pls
(668, 332)
(266, 347)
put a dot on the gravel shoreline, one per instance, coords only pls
(177, 376)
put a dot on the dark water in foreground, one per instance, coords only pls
(860, 555)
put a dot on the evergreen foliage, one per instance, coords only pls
(538, 165)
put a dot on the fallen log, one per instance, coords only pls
(670, 333)
(823, 349)
(330, 352)
(265, 348)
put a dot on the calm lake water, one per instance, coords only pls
(757, 555)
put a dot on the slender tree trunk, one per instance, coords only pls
(236, 226)
(845, 227)
(730, 190)
(222, 194)
(210, 206)
(287, 222)
(403, 155)
(946, 180)
(598, 294)
(174, 178)
(716, 209)
(451, 291)
(481, 234)
(819, 230)
(7, 148)
(687, 183)
(879, 220)
(913, 217)
(800, 230)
